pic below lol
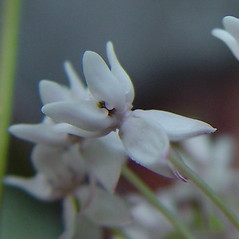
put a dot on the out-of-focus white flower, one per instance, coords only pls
(147, 222)
(145, 134)
(61, 175)
(65, 162)
(230, 36)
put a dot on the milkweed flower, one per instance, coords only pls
(64, 163)
(145, 134)
(61, 175)
(230, 36)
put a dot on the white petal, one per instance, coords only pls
(69, 217)
(231, 24)
(119, 73)
(176, 126)
(37, 186)
(49, 161)
(40, 133)
(78, 89)
(70, 129)
(104, 159)
(101, 82)
(105, 209)
(80, 228)
(83, 114)
(53, 92)
(146, 143)
(228, 39)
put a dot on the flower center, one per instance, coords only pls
(101, 104)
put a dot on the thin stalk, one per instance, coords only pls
(184, 169)
(8, 56)
(119, 233)
(153, 200)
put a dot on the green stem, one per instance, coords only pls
(8, 50)
(206, 189)
(119, 233)
(152, 199)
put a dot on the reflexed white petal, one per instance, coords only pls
(78, 89)
(101, 82)
(70, 129)
(83, 114)
(145, 142)
(78, 228)
(40, 133)
(53, 92)
(231, 24)
(105, 209)
(48, 160)
(37, 186)
(228, 39)
(119, 73)
(176, 126)
(69, 217)
(104, 159)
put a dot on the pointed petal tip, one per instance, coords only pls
(229, 19)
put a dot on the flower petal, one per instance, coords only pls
(59, 166)
(228, 39)
(53, 92)
(37, 186)
(70, 129)
(40, 133)
(120, 74)
(176, 126)
(77, 228)
(146, 143)
(78, 89)
(104, 157)
(231, 24)
(101, 82)
(102, 209)
(83, 114)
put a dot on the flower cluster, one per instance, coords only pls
(86, 137)
(213, 160)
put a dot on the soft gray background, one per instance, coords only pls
(165, 46)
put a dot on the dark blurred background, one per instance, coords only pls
(165, 46)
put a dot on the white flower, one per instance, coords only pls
(230, 36)
(144, 134)
(61, 175)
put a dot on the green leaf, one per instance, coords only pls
(24, 217)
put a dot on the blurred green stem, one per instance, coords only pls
(154, 201)
(119, 233)
(184, 169)
(8, 54)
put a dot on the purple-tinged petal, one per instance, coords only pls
(40, 133)
(53, 92)
(101, 82)
(37, 186)
(120, 73)
(146, 143)
(176, 126)
(83, 114)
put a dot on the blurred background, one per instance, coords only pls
(165, 46)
